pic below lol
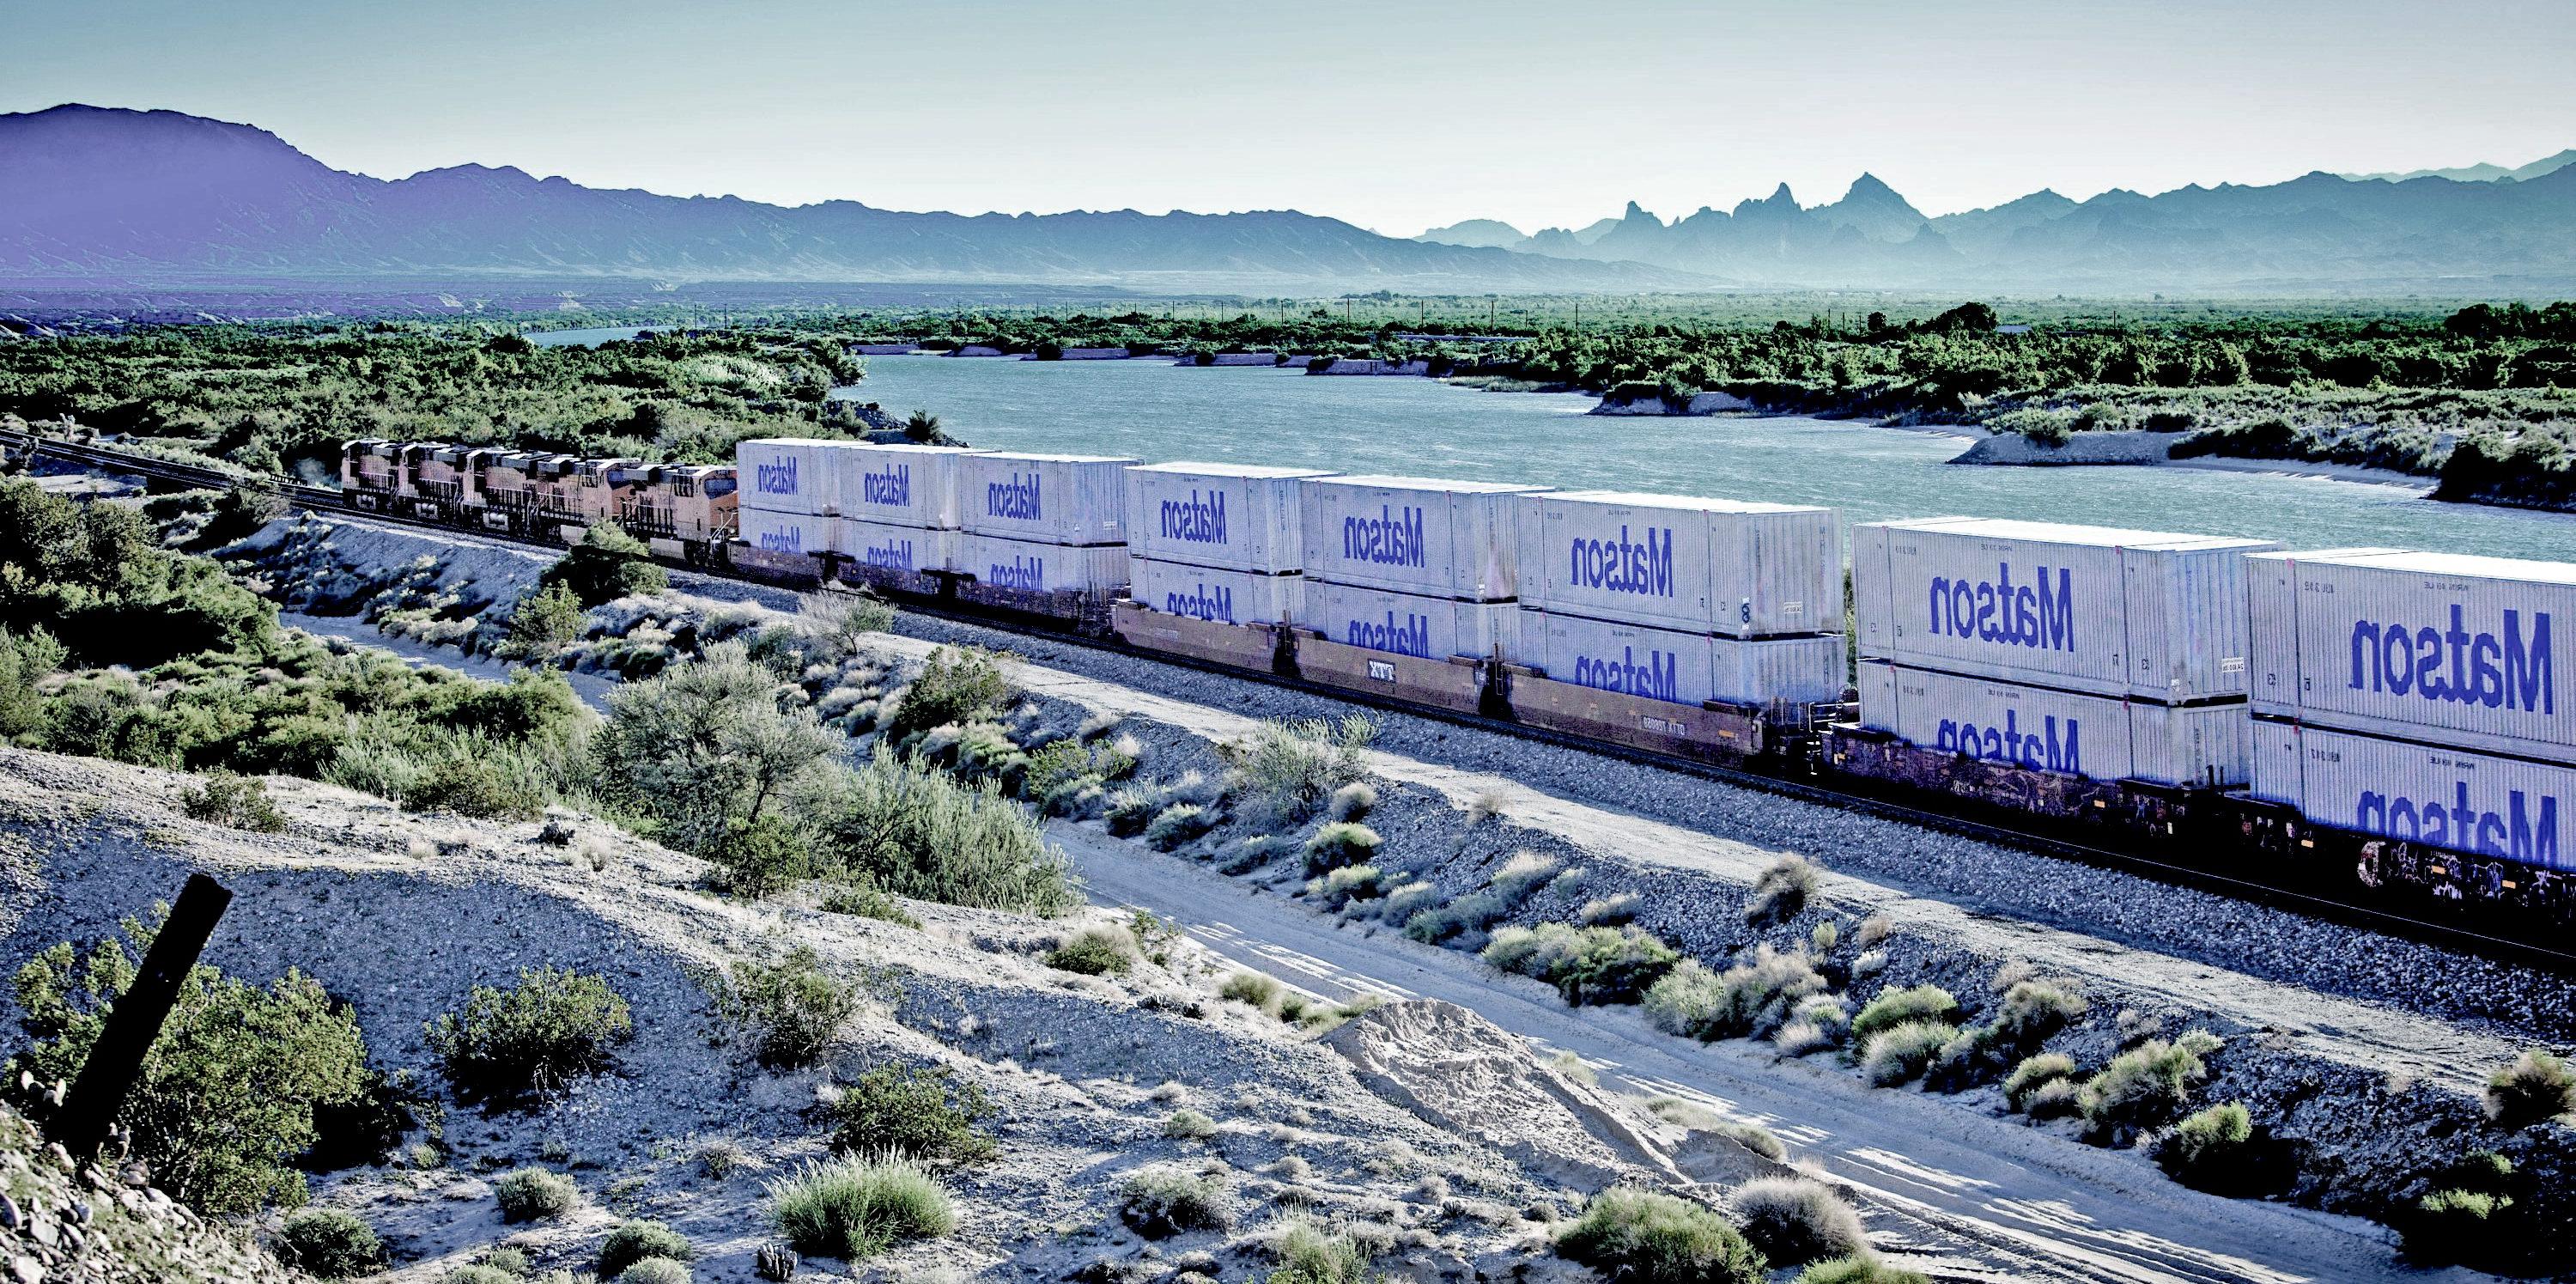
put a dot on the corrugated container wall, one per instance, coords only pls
(897, 548)
(2487, 804)
(773, 532)
(1700, 565)
(1213, 593)
(1686, 668)
(787, 475)
(1412, 535)
(1052, 499)
(1038, 567)
(1404, 623)
(2092, 609)
(900, 485)
(2434, 646)
(2044, 729)
(1241, 517)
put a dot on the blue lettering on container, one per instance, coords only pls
(1624, 565)
(2037, 614)
(1027, 574)
(2042, 750)
(891, 488)
(788, 539)
(893, 555)
(1202, 603)
(1385, 539)
(2457, 823)
(2455, 666)
(1412, 637)
(1656, 679)
(1017, 499)
(1195, 520)
(775, 478)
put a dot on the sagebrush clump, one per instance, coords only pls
(858, 1206)
(789, 1010)
(1289, 768)
(1635, 1237)
(1585, 964)
(2536, 1087)
(1096, 951)
(636, 1241)
(926, 1114)
(1164, 1201)
(554, 1026)
(534, 1194)
(1796, 1219)
(330, 1243)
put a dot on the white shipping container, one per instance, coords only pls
(2045, 729)
(1700, 565)
(1052, 499)
(1209, 593)
(900, 485)
(1035, 567)
(788, 532)
(790, 474)
(2486, 804)
(2086, 608)
(1686, 668)
(1243, 517)
(898, 548)
(2435, 646)
(1404, 623)
(1412, 535)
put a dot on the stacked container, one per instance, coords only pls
(1042, 524)
(1408, 565)
(2138, 638)
(899, 509)
(1216, 542)
(1681, 600)
(2415, 695)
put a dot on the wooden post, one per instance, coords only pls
(116, 1061)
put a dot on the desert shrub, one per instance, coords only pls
(1796, 1219)
(2535, 1088)
(957, 684)
(1250, 987)
(855, 1207)
(330, 1243)
(2055, 1099)
(1400, 904)
(1348, 883)
(2223, 1151)
(1164, 1201)
(535, 1037)
(924, 1114)
(1753, 997)
(544, 621)
(915, 831)
(1186, 1124)
(2034, 1073)
(228, 1095)
(531, 1194)
(1798, 1038)
(1509, 887)
(843, 620)
(1891, 1008)
(1309, 1254)
(1868, 963)
(635, 1241)
(484, 1273)
(1783, 890)
(2147, 1084)
(1872, 931)
(790, 1010)
(2471, 1216)
(1340, 843)
(1096, 951)
(1178, 824)
(1633, 1237)
(1860, 1269)
(655, 1270)
(1899, 1053)
(483, 786)
(239, 801)
(606, 565)
(2033, 1010)
(1130, 809)
(1585, 964)
(1352, 801)
(1608, 911)
(864, 899)
(761, 857)
(705, 746)
(1290, 767)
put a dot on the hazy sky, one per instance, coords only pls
(1390, 115)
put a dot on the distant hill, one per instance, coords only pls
(2476, 173)
(105, 193)
(1484, 232)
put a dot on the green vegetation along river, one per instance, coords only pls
(1155, 411)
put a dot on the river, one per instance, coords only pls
(1155, 411)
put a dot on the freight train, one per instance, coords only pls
(2373, 727)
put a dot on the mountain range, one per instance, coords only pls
(110, 195)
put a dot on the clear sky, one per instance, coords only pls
(1391, 115)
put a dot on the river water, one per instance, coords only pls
(1420, 427)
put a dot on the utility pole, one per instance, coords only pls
(91, 1104)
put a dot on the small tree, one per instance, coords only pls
(545, 620)
(606, 565)
(923, 427)
(705, 746)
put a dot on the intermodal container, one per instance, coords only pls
(1685, 668)
(1699, 565)
(2045, 729)
(1034, 567)
(1051, 499)
(897, 548)
(2484, 804)
(1412, 624)
(791, 474)
(1413, 535)
(899, 484)
(2085, 608)
(1239, 517)
(1212, 593)
(773, 532)
(2436, 646)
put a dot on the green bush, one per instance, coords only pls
(1892, 1008)
(1309, 1254)
(1858, 1270)
(1633, 1237)
(636, 1241)
(606, 565)
(791, 1009)
(228, 1094)
(863, 899)
(1161, 1202)
(478, 786)
(1343, 842)
(2031, 1011)
(239, 801)
(925, 1114)
(2537, 1087)
(1186, 1124)
(1250, 987)
(532, 1194)
(916, 832)
(545, 621)
(535, 1037)
(482, 1273)
(856, 1207)
(703, 747)
(1178, 824)
(1289, 768)
(2457, 1226)
(957, 684)
(1753, 998)
(1352, 801)
(1796, 1219)
(762, 857)
(1096, 951)
(2035, 1073)
(2146, 1085)
(1783, 890)
(330, 1243)
(1348, 883)
(655, 1270)
(1585, 964)
(2221, 1150)
(1900, 1053)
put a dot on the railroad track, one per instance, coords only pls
(1780, 783)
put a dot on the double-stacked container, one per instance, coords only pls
(790, 500)
(2416, 695)
(1408, 565)
(1034, 527)
(1216, 542)
(1988, 637)
(899, 512)
(1681, 600)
